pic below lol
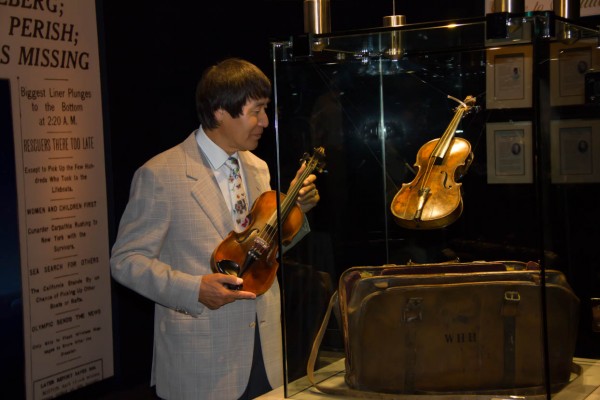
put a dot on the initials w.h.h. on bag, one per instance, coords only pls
(454, 328)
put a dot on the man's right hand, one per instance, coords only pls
(214, 293)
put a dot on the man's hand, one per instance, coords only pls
(308, 196)
(214, 294)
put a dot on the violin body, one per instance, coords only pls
(236, 245)
(441, 199)
(252, 254)
(433, 199)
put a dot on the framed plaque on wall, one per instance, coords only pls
(509, 152)
(575, 151)
(508, 77)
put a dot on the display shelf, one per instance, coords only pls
(583, 387)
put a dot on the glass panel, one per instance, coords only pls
(519, 173)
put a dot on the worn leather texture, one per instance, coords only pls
(455, 327)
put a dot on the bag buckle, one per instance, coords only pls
(412, 309)
(511, 303)
(512, 296)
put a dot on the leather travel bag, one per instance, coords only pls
(454, 328)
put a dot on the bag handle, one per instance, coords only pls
(532, 393)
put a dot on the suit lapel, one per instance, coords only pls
(206, 191)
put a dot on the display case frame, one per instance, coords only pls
(373, 109)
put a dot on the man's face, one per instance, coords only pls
(243, 132)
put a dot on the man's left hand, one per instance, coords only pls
(308, 196)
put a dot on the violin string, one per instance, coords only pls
(428, 170)
(288, 201)
(442, 142)
(269, 229)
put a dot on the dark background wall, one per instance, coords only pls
(154, 52)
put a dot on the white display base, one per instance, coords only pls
(584, 387)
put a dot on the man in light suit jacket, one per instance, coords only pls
(210, 342)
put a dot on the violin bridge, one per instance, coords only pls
(260, 245)
(423, 194)
(254, 253)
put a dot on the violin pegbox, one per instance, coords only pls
(316, 161)
(467, 105)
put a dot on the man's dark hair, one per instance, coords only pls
(229, 85)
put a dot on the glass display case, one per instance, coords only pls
(521, 92)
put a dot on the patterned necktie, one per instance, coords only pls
(239, 204)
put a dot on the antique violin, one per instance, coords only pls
(433, 199)
(252, 254)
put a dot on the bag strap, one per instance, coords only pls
(532, 393)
